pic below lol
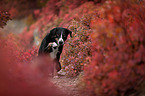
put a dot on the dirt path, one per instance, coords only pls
(68, 85)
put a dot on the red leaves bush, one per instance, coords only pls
(118, 50)
(108, 40)
(21, 8)
(22, 73)
(77, 49)
(4, 17)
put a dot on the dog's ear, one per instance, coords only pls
(69, 32)
(53, 32)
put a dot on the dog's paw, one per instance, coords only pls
(52, 44)
(61, 73)
(55, 77)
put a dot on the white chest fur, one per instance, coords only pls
(54, 50)
(53, 53)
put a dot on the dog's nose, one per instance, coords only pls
(61, 42)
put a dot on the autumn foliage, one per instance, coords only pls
(108, 44)
(22, 73)
(4, 17)
(21, 8)
(118, 50)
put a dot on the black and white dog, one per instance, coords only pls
(52, 44)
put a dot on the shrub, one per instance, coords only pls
(78, 20)
(48, 21)
(22, 76)
(118, 48)
(21, 8)
(77, 49)
(4, 17)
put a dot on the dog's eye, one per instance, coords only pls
(55, 36)
(64, 36)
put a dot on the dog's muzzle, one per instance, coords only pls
(61, 42)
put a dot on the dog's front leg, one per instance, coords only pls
(54, 68)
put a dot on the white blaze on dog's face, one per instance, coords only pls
(60, 40)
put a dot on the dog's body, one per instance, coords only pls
(52, 44)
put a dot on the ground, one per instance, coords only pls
(69, 85)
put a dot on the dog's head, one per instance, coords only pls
(60, 35)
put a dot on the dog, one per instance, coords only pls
(52, 44)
